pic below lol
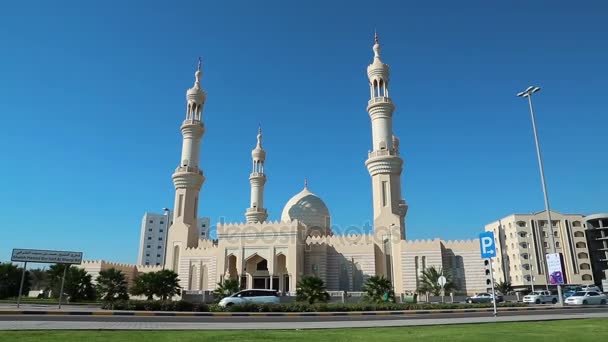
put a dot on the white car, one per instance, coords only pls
(590, 288)
(251, 296)
(540, 297)
(586, 297)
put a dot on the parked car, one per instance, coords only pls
(251, 296)
(540, 297)
(587, 297)
(588, 288)
(483, 298)
(570, 291)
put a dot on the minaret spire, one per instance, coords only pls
(188, 177)
(256, 211)
(306, 183)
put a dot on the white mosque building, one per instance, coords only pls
(264, 254)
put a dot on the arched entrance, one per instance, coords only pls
(258, 275)
(280, 271)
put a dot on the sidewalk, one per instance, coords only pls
(75, 325)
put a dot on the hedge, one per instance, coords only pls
(167, 305)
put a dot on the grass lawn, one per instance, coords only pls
(572, 330)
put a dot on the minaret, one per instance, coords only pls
(256, 211)
(188, 177)
(383, 163)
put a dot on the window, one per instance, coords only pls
(160, 239)
(523, 234)
(160, 231)
(162, 222)
(511, 235)
(158, 264)
(545, 244)
(147, 254)
(576, 224)
(151, 221)
(555, 233)
(150, 229)
(262, 266)
(159, 247)
(544, 234)
(585, 266)
(579, 234)
(587, 277)
(203, 225)
(384, 200)
(149, 238)
(521, 223)
(148, 246)
(581, 245)
(158, 255)
(147, 263)
(557, 245)
(583, 256)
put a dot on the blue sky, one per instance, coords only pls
(92, 96)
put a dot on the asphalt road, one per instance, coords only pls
(291, 319)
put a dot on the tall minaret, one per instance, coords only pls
(256, 211)
(188, 177)
(383, 163)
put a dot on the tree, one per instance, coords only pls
(111, 285)
(225, 289)
(378, 289)
(429, 281)
(144, 285)
(39, 279)
(504, 287)
(77, 287)
(10, 280)
(168, 284)
(164, 284)
(311, 290)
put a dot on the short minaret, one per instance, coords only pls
(188, 177)
(383, 163)
(256, 211)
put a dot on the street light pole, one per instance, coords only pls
(167, 224)
(528, 93)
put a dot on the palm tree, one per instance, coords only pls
(311, 289)
(429, 281)
(379, 289)
(144, 285)
(225, 289)
(77, 285)
(168, 284)
(504, 287)
(111, 285)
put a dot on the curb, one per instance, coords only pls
(280, 314)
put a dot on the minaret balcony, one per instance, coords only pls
(379, 99)
(192, 169)
(256, 211)
(383, 153)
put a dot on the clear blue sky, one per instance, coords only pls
(92, 96)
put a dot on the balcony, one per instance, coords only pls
(382, 153)
(192, 169)
(379, 99)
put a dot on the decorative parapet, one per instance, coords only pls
(341, 240)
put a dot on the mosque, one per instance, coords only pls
(276, 255)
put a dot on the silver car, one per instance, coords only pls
(251, 296)
(586, 297)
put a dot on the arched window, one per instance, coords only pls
(557, 245)
(175, 258)
(579, 234)
(581, 245)
(583, 256)
(576, 224)
(587, 277)
(262, 266)
(585, 266)
(521, 223)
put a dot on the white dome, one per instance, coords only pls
(309, 209)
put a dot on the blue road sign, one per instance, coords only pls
(487, 245)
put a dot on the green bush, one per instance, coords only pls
(167, 305)
(155, 305)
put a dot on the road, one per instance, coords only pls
(57, 321)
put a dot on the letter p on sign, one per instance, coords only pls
(487, 245)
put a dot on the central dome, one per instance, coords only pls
(309, 209)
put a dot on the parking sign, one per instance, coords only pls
(487, 245)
